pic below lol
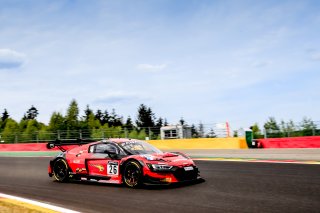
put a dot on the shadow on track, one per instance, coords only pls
(144, 186)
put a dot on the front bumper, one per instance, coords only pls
(178, 175)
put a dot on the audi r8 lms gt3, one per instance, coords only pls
(129, 161)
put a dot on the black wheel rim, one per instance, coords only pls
(132, 175)
(60, 170)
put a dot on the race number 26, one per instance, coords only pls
(113, 168)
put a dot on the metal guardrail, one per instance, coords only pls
(152, 133)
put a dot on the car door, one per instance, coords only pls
(102, 164)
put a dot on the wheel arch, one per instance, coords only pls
(52, 162)
(122, 164)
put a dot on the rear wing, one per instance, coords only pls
(67, 142)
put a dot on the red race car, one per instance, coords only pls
(129, 161)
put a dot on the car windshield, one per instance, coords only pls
(139, 148)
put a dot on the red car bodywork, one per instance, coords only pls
(84, 163)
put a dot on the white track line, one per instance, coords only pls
(39, 204)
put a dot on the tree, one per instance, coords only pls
(256, 132)
(3, 120)
(182, 121)
(72, 116)
(235, 133)
(5, 115)
(87, 113)
(291, 129)
(93, 122)
(31, 114)
(201, 130)
(308, 127)
(159, 123)
(287, 128)
(88, 123)
(145, 117)
(114, 119)
(194, 131)
(272, 128)
(10, 132)
(129, 124)
(165, 122)
(56, 122)
(99, 116)
(211, 134)
(31, 131)
(105, 118)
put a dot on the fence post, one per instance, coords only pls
(149, 133)
(126, 132)
(80, 134)
(313, 131)
(15, 137)
(37, 136)
(265, 133)
(58, 134)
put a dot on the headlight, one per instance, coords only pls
(159, 167)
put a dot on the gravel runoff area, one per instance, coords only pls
(271, 154)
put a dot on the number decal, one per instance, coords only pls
(113, 168)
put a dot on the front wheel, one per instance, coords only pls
(61, 170)
(132, 174)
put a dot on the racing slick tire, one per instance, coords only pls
(61, 170)
(132, 174)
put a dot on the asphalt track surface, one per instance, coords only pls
(229, 187)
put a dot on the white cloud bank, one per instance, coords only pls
(10, 59)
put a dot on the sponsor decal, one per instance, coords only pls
(98, 166)
(81, 169)
(188, 168)
(76, 161)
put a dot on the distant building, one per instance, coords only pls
(175, 132)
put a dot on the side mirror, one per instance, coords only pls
(50, 145)
(111, 153)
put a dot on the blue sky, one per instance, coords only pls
(209, 61)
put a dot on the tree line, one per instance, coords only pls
(88, 125)
(105, 124)
(273, 129)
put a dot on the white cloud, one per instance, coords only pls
(152, 68)
(117, 97)
(10, 59)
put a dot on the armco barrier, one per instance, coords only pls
(201, 143)
(294, 142)
(198, 143)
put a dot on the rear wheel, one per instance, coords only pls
(61, 170)
(132, 174)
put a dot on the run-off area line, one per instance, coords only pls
(32, 204)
